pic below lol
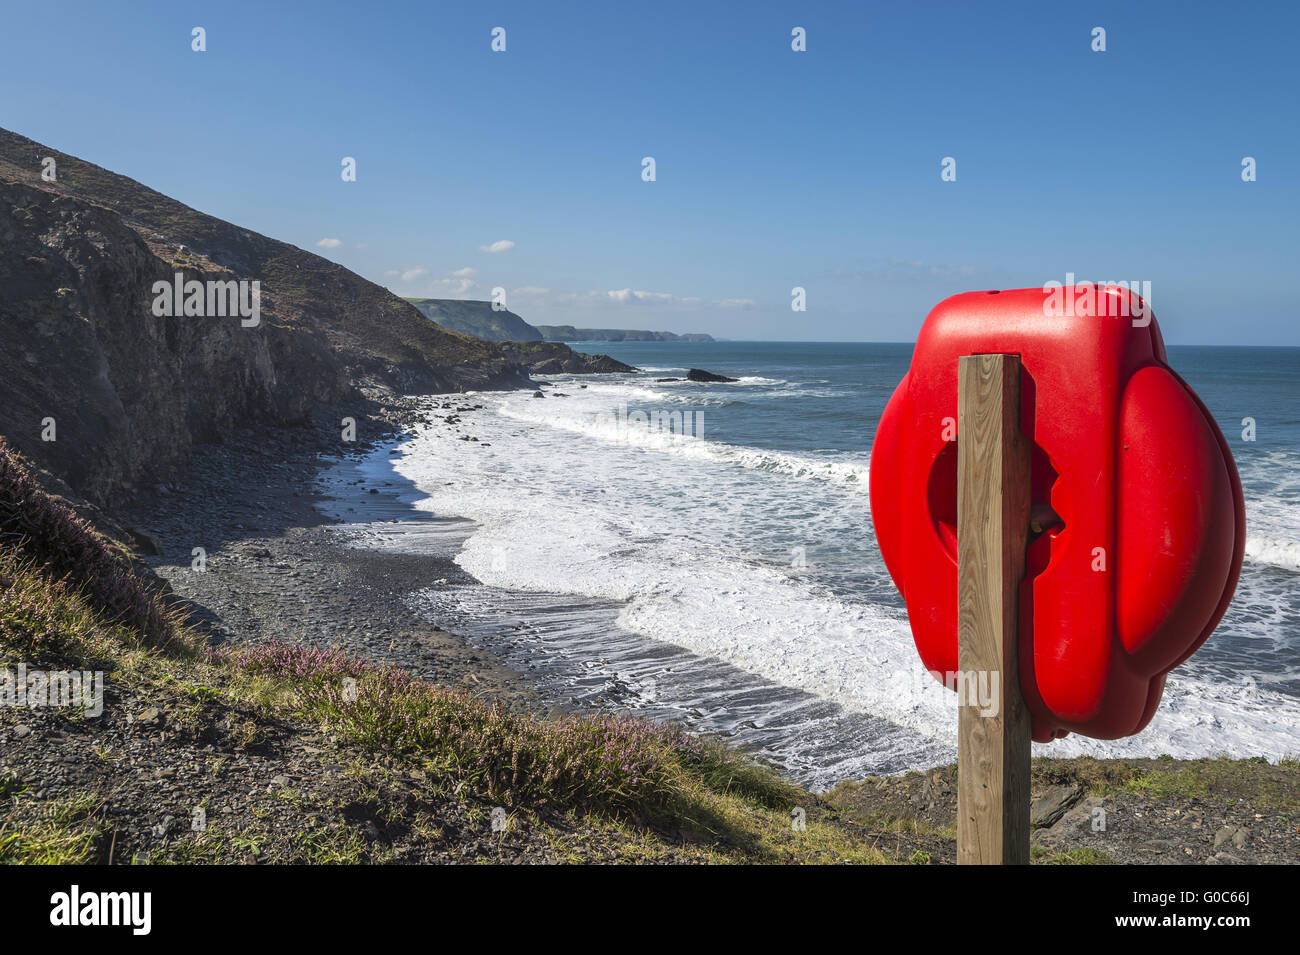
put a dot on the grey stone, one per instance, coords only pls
(1224, 835)
(1052, 804)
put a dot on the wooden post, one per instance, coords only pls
(992, 534)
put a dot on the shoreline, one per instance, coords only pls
(336, 549)
(278, 568)
(577, 657)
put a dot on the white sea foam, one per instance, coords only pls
(666, 524)
(1280, 553)
(1272, 483)
(595, 416)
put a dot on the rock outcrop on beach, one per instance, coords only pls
(552, 358)
(108, 396)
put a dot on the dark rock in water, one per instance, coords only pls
(667, 379)
(698, 374)
(145, 542)
(576, 363)
(538, 394)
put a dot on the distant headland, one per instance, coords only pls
(479, 319)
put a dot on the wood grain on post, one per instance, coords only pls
(992, 531)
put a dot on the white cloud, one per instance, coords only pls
(633, 297)
(531, 290)
(501, 245)
(466, 272)
(455, 284)
(329, 243)
(454, 288)
(627, 296)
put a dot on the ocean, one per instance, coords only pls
(729, 578)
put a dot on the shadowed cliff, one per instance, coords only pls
(125, 394)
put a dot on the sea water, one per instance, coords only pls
(718, 566)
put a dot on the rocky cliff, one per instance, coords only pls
(107, 395)
(96, 389)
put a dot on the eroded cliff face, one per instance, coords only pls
(98, 390)
(124, 394)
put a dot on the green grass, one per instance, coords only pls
(1255, 781)
(10, 786)
(1080, 855)
(616, 765)
(53, 833)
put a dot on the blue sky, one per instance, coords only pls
(775, 169)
